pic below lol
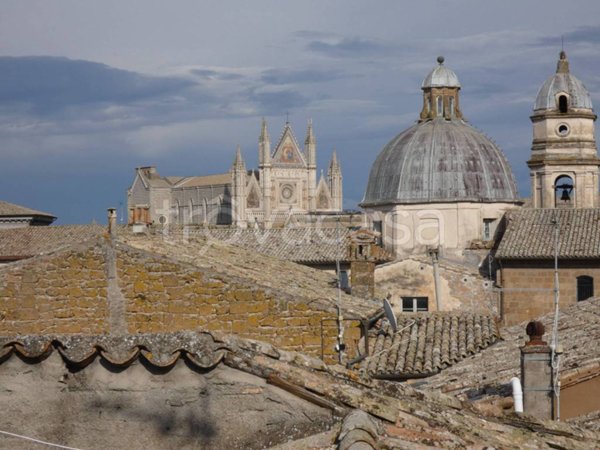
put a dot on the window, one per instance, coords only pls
(562, 130)
(344, 284)
(415, 304)
(451, 106)
(563, 103)
(378, 228)
(440, 106)
(488, 231)
(585, 287)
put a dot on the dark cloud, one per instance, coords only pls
(287, 76)
(277, 102)
(588, 35)
(349, 47)
(45, 85)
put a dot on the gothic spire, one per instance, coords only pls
(264, 133)
(239, 163)
(264, 144)
(310, 136)
(310, 145)
(334, 164)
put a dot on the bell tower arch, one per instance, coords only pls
(564, 163)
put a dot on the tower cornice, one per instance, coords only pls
(572, 114)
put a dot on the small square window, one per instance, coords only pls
(415, 304)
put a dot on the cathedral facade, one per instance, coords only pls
(285, 185)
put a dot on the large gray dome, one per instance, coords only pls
(440, 161)
(563, 82)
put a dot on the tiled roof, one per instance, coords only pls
(17, 243)
(10, 209)
(372, 413)
(288, 278)
(579, 334)
(530, 233)
(159, 350)
(207, 180)
(427, 343)
(302, 245)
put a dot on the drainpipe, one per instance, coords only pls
(434, 253)
(517, 392)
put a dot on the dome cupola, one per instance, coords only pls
(440, 76)
(440, 93)
(441, 158)
(562, 91)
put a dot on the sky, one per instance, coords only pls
(89, 90)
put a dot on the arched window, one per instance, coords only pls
(563, 103)
(564, 192)
(451, 106)
(440, 106)
(585, 287)
(191, 211)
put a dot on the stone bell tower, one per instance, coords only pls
(564, 164)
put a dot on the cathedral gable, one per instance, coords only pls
(253, 197)
(323, 196)
(288, 151)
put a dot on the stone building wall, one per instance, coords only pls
(461, 287)
(57, 294)
(527, 287)
(106, 289)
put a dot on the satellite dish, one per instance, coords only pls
(389, 314)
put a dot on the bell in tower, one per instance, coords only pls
(564, 163)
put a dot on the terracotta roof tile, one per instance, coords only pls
(206, 180)
(287, 277)
(530, 233)
(426, 343)
(17, 243)
(394, 415)
(579, 334)
(10, 209)
(303, 245)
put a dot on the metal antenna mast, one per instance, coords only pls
(340, 339)
(554, 346)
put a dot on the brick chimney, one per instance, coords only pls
(363, 253)
(537, 374)
(112, 222)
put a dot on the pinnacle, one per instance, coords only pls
(310, 136)
(264, 133)
(239, 160)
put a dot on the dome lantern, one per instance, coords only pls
(440, 93)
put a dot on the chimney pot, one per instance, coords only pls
(535, 330)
